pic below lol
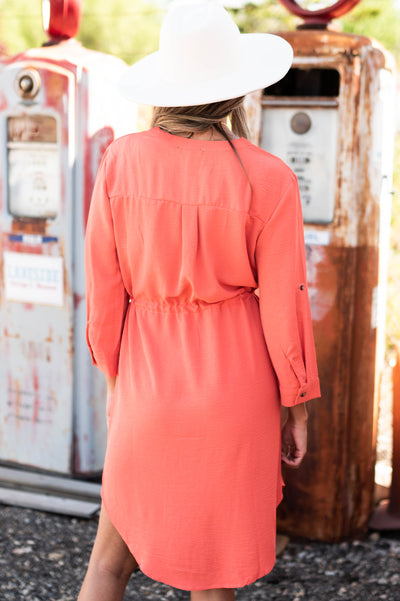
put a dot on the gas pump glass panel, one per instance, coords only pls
(312, 5)
(34, 188)
(300, 126)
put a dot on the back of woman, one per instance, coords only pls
(186, 219)
(185, 224)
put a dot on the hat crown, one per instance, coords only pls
(198, 40)
(203, 58)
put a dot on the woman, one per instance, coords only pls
(187, 221)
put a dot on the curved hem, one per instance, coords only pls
(147, 573)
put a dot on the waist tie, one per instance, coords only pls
(178, 306)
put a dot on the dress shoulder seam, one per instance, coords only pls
(115, 197)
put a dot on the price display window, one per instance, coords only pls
(34, 178)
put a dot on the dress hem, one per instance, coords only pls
(147, 573)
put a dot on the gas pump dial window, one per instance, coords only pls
(34, 189)
(300, 125)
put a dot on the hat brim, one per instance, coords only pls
(264, 60)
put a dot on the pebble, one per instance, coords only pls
(55, 555)
(43, 557)
(22, 550)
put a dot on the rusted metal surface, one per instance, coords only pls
(394, 505)
(253, 109)
(330, 497)
(58, 112)
(387, 515)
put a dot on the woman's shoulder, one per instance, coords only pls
(129, 142)
(271, 178)
(262, 162)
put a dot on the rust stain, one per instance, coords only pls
(394, 503)
(321, 502)
(78, 298)
(3, 102)
(333, 45)
(23, 225)
(53, 398)
(36, 400)
(28, 306)
(252, 105)
(56, 87)
(8, 335)
(49, 337)
(312, 500)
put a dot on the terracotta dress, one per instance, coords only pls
(177, 243)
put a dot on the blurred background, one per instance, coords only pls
(130, 30)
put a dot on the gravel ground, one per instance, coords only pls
(43, 558)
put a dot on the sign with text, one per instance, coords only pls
(32, 278)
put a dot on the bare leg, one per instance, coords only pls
(214, 594)
(110, 567)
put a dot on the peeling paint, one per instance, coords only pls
(52, 397)
(346, 286)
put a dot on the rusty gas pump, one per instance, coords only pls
(59, 110)
(330, 119)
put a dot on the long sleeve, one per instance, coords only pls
(284, 304)
(106, 297)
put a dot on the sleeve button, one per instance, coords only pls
(303, 394)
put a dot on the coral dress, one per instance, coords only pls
(177, 243)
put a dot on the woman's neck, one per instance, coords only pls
(213, 134)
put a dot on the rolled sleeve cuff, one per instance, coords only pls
(109, 365)
(306, 392)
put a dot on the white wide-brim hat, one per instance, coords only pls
(203, 58)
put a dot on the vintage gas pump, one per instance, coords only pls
(59, 109)
(331, 120)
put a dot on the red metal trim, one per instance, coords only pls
(323, 16)
(65, 19)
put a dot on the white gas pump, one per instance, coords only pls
(59, 110)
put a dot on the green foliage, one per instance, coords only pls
(20, 25)
(271, 16)
(380, 20)
(128, 30)
(371, 18)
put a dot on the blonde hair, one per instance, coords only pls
(187, 120)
